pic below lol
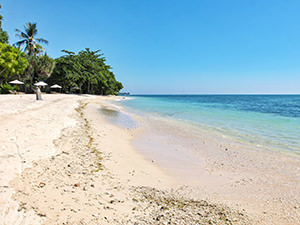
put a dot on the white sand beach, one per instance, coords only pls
(63, 162)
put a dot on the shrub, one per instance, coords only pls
(5, 88)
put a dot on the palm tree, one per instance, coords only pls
(31, 48)
(29, 40)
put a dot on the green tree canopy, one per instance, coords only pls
(12, 61)
(44, 66)
(87, 71)
(39, 67)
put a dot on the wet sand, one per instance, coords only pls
(264, 183)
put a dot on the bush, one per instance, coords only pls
(5, 88)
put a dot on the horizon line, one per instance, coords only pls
(217, 94)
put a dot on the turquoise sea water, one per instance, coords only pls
(272, 121)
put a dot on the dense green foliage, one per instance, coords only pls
(43, 66)
(12, 61)
(40, 67)
(3, 34)
(29, 39)
(5, 88)
(85, 71)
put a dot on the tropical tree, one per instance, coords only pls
(87, 71)
(13, 62)
(40, 64)
(39, 68)
(29, 40)
(67, 72)
(3, 34)
(43, 66)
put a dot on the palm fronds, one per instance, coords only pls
(29, 40)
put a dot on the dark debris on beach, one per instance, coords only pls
(155, 206)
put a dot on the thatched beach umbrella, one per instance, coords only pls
(56, 86)
(40, 83)
(38, 91)
(16, 82)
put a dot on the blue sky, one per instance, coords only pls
(176, 47)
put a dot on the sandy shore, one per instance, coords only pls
(28, 128)
(264, 183)
(63, 162)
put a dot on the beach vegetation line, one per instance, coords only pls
(27, 61)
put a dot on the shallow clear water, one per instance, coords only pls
(119, 118)
(272, 121)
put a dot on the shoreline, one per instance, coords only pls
(264, 182)
(95, 175)
(269, 127)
